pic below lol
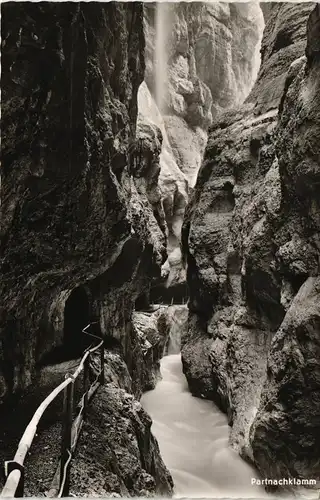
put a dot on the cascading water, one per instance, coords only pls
(193, 434)
(248, 78)
(174, 343)
(193, 438)
(177, 317)
(160, 63)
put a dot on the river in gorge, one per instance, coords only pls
(193, 437)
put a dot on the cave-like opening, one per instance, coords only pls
(76, 317)
(74, 341)
(142, 303)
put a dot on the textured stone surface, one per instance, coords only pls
(116, 454)
(211, 60)
(152, 331)
(173, 185)
(82, 226)
(210, 46)
(251, 237)
(159, 332)
(117, 444)
(71, 212)
(288, 419)
(285, 432)
(283, 39)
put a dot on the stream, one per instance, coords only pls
(193, 437)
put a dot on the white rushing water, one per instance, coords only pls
(193, 438)
(160, 64)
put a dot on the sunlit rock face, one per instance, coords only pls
(227, 45)
(251, 237)
(201, 58)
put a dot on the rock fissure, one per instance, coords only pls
(159, 181)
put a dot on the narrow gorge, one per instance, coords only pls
(160, 186)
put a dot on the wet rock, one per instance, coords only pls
(117, 453)
(152, 339)
(83, 230)
(80, 200)
(251, 238)
(159, 332)
(212, 57)
(173, 186)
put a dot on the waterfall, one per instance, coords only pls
(249, 73)
(177, 316)
(256, 59)
(174, 344)
(160, 60)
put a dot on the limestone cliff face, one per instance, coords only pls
(207, 61)
(82, 230)
(76, 198)
(291, 392)
(251, 237)
(118, 432)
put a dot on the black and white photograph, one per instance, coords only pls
(160, 250)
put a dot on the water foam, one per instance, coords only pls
(193, 438)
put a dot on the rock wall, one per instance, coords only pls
(83, 230)
(209, 63)
(79, 192)
(118, 432)
(251, 238)
(290, 397)
(117, 454)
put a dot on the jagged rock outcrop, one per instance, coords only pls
(78, 202)
(118, 432)
(290, 397)
(209, 46)
(177, 321)
(159, 331)
(117, 454)
(152, 331)
(82, 229)
(201, 58)
(251, 236)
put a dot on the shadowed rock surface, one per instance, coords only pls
(251, 237)
(82, 230)
(79, 204)
(116, 455)
(117, 452)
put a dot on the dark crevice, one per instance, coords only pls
(74, 342)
